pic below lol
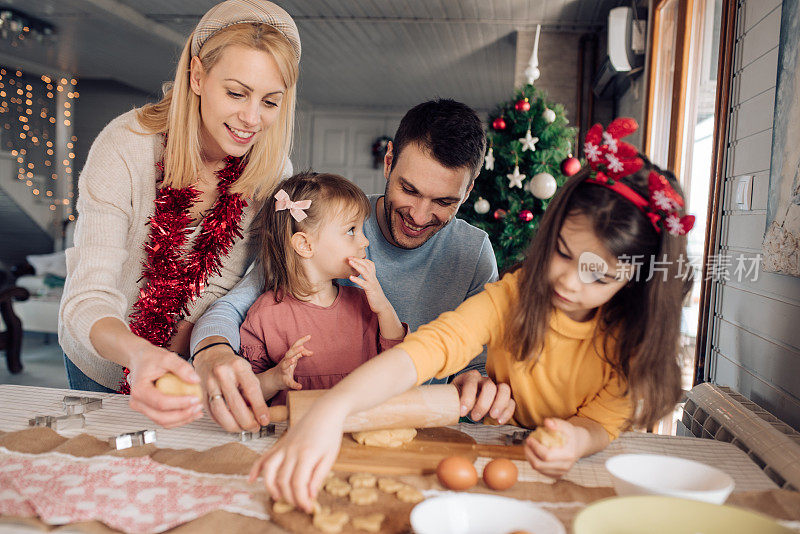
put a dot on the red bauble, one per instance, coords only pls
(570, 166)
(526, 215)
(522, 105)
(500, 214)
(499, 123)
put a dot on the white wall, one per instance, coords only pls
(755, 339)
(339, 140)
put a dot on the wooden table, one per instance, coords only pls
(202, 446)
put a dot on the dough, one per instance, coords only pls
(370, 523)
(410, 494)
(362, 480)
(389, 485)
(331, 522)
(280, 507)
(337, 487)
(549, 438)
(395, 437)
(363, 495)
(170, 384)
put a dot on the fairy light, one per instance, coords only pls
(36, 115)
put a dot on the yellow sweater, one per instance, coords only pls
(571, 376)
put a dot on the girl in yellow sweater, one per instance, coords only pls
(582, 338)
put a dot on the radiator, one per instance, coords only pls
(721, 413)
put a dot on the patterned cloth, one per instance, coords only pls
(127, 494)
(233, 12)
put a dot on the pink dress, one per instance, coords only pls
(343, 336)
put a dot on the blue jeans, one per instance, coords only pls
(78, 380)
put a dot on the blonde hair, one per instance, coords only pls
(178, 113)
(331, 196)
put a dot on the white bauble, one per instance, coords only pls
(549, 115)
(482, 206)
(543, 185)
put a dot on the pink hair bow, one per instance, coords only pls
(296, 209)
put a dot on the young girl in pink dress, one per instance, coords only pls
(306, 331)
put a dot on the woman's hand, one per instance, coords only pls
(482, 396)
(147, 364)
(222, 372)
(368, 281)
(113, 340)
(295, 467)
(557, 461)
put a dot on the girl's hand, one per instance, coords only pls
(150, 363)
(295, 467)
(557, 461)
(369, 283)
(481, 395)
(285, 369)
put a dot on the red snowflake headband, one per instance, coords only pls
(611, 159)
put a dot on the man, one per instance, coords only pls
(427, 261)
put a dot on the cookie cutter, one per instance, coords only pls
(76, 405)
(132, 439)
(59, 422)
(516, 438)
(262, 432)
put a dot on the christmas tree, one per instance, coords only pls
(528, 157)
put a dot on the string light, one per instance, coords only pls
(29, 136)
(18, 28)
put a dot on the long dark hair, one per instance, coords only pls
(331, 195)
(642, 320)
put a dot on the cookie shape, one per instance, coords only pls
(369, 523)
(362, 480)
(329, 522)
(337, 487)
(281, 507)
(363, 496)
(410, 494)
(389, 485)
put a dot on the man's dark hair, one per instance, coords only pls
(450, 131)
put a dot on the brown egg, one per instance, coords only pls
(500, 474)
(457, 473)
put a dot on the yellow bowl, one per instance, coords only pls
(670, 515)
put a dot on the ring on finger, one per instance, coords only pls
(215, 396)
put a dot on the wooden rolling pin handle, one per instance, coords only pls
(278, 414)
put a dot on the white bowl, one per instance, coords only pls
(474, 513)
(654, 474)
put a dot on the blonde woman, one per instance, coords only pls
(166, 199)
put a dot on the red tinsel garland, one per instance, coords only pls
(174, 278)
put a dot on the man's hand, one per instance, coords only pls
(233, 393)
(480, 396)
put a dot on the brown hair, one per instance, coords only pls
(642, 318)
(178, 113)
(331, 196)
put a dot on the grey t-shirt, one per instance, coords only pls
(420, 283)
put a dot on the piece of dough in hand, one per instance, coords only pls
(549, 438)
(170, 384)
(394, 437)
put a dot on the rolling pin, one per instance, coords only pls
(420, 407)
